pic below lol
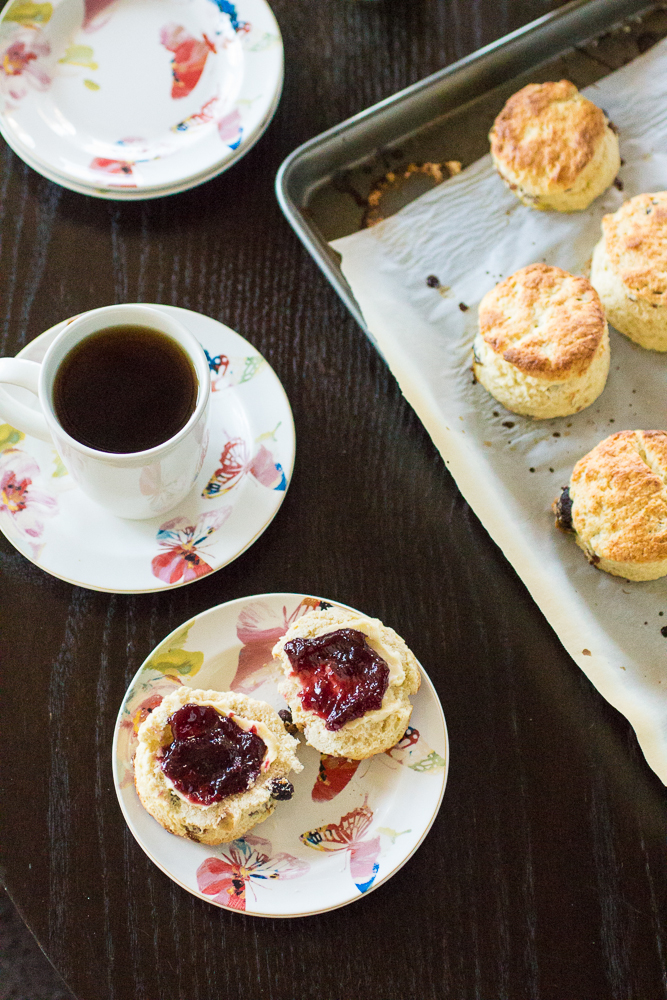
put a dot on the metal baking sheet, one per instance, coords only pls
(323, 187)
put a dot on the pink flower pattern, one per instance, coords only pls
(20, 65)
(245, 864)
(23, 506)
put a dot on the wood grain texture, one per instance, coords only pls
(544, 876)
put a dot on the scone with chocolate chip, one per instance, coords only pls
(554, 148)
(616, 504)
(348, 680)
(629, 269)
(543, 344)
(211, 765)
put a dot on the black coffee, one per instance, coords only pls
(125, 389)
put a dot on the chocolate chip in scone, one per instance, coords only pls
(281, 789)
(562, 508)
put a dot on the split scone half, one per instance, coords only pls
(210, 765)
(543, 344)
(616, 504)
(348, 679)
(629, 269)
(554, 148)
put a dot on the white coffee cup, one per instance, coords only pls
(135, 485)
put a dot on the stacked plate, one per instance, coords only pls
(133, 99)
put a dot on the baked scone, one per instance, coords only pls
(629, 269)
(543, 345)
(348, 679)
(616, 504)
(211, 765)
(554, 148)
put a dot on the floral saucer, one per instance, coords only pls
(136, 98)
(236, 496)
(350, 824)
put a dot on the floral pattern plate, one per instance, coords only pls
(136, 98)
(349, 826)
(236, 496)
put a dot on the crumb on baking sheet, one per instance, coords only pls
(378, 200)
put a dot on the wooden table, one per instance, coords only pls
(544, 875)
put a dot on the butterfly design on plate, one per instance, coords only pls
(189, 58)
(258, 630)
(227, 7)
(236, 462)
(348, 835)
(227, 371)
(219, 364)
(414, 752)
(334, 774)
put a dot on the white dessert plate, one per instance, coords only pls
(349, 826)
(236, 496)
(137, 98)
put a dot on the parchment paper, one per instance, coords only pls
(471, 232)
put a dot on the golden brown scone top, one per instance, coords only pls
(636, 244)
(548, 131)
(619, 495)
(544, 321)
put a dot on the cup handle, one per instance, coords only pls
(25, 374)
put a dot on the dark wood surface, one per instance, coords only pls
(544, 876)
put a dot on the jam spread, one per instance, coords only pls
(210, 756)
(341, 677)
